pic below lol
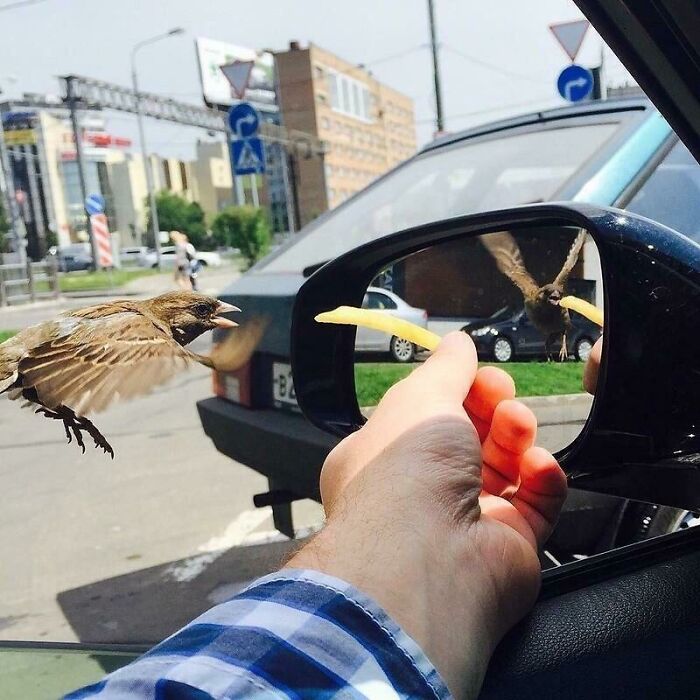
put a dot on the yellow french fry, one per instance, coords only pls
(592, 313)
(378, 321)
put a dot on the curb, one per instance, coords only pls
(559, 409)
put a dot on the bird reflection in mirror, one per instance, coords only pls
(541, 301)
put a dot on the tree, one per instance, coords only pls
(245, 228)
(177, 214)
(4, 225)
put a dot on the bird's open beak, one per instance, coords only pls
(221, 321)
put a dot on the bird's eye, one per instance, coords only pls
(201, 310)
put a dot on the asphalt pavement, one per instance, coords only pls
(88, 544)
(96, 550)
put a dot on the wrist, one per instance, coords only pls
(428, 583)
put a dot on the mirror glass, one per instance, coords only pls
(503, 289)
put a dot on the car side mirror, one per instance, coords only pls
(642, 437)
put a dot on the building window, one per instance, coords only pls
(166, 172)
(325, 123)
(349, 96)
(183, 175)
(318, 72)
(334, 90)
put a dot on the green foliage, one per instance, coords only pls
(177, 214)
(245, 228)
(6, 335)
(100, 279)
(4, 225)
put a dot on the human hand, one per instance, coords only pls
(437, 512)
(590, 371)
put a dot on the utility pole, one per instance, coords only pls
(18, 232)
(81, 165)
(439, 124)
(155, 224)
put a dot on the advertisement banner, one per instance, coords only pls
(216, 89)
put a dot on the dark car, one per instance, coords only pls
(515, 338)
(615, 152)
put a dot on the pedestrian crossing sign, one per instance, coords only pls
(248, 156)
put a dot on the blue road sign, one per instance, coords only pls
(575, 83)
(243, 119)
(248, 156)
(94, 204)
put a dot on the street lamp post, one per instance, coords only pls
(150, 184)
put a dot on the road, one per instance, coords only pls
(87, 544)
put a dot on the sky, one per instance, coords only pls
(497, 58)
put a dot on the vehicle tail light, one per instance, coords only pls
(233, 386)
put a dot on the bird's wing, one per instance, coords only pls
(509, 260)
(89, 363)
(571, 259)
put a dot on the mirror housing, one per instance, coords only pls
(642, 439)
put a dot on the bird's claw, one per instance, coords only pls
(74, 425)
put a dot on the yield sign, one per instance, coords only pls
(570, 35)
(238, 74)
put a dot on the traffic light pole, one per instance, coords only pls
(81, 167)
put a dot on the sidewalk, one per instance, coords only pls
(212, 281)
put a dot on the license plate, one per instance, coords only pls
(283, 386)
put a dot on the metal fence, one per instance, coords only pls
(24, 283)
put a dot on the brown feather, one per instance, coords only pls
(561, 279)
(509, 260)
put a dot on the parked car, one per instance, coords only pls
(613, 152)
(205, 258)
(74, 257)
(399, 349)
(515, 338)
(133, 255)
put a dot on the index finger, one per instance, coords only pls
(449, 372)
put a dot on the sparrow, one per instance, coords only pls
(541, 302)
(84, 360)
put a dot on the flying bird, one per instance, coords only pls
(541, 302)
(86, 359)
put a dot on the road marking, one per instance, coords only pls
(235, 534)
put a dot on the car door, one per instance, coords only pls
(528, 339)
(368, 340)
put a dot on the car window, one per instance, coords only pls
(671, 195)
(467, 177)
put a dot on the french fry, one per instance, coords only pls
(378, 321)
(592, 313)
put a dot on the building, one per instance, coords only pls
(368, 127)
(44, 168)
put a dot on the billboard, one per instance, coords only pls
(216, 89)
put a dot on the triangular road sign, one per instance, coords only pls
(238, 74)
(248, 159)
(570, 35)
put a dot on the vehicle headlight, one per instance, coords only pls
(481, 331)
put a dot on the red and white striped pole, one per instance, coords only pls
(100, 231)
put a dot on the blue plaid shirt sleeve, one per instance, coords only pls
(295, 633)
